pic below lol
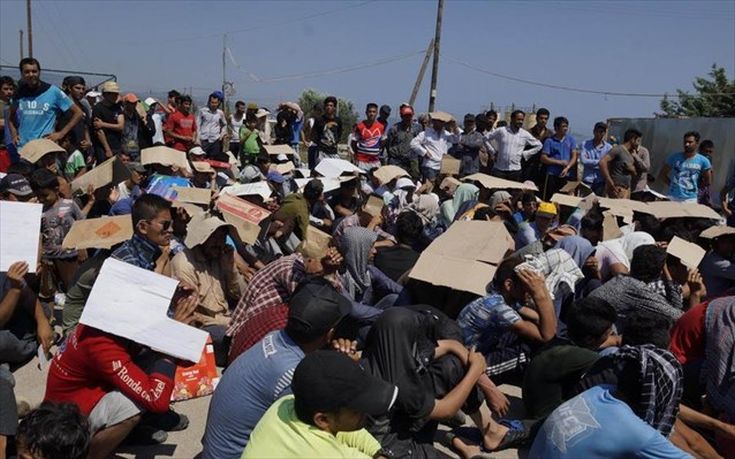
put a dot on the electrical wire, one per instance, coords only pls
(568, 88)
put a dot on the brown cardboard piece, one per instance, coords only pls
(669, 209)
(465, 257)
(38, 148)
(441, 116)
(98, 233)
(566, 200)
(488, 181)
(690, 254)
(315, 244)
(279, 149)
(386, 174)
(98, 177)
(577, 188)
(193, 195)
(610, 228)
(374, 205)
(449, 184)
(191, 209)
(243, 215)
(164, 155)
(284, 168)
(450, 166)
(714, 232)
(200, 227)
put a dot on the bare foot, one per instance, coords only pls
(465, 450)
(493, 435)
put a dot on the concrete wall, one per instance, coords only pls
(663, 136)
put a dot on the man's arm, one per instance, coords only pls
(587, 159)
(545, 159)
(533, 145)
(546, 329)
(76, 116)
(664, 175)
(103, 140)
(642, 161)
(118, 125)
(13, 124)
(707, 178)
(9, 302)
(417, 144)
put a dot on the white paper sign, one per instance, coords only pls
(132, 303)
(20, 230)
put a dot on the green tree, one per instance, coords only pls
(714, 97)
(345, 109)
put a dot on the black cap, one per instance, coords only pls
(316, 307)
(600, 125)
(15, 184)
(326, 381)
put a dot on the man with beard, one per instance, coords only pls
(327, 130)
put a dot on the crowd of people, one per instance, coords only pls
(327, 344)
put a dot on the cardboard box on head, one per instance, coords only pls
(279, 150)
(243, 215)
(38, 148)
(690, 254)
(576, 188)
(335, 167)
(374, 205)
(465, 257)
(99, 233)
(193, 195)
(668, 209)
(166, 156)
(386, 174)
(488, 181)
(112, 171)
(713, 232)
(450, 166)
(316, 243)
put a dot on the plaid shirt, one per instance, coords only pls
(256, 328)
(139, 252)
(270, 287)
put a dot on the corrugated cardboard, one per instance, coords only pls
(244, 216)
(191, 209)
(689, 254)
(99, 233)
(465, 257)
(284, 168)
(200, 227)
(97, 177)
(717, 231)
(374, 205)
(449, 184)
(330, 183)
(576, 188)
(164, 155)
(193, 195)
(250, 189)
(335, 167)
(441, 116)
(279, 150)
(488, 181)
(610, 228)
(670, 209)
(566, 200)
(450, 166)
(386, 174)
(38, 148)
(315, 244)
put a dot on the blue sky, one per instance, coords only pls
(645, 46)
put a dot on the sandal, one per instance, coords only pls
(445, 438)
(514, 438)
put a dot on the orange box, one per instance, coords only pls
(198, 379)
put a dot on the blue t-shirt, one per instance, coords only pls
(594, 424)
(251, 384)
(685, 174)
(37, 115)
(559, 149)
(590, 159)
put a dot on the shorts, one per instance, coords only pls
(112, 409)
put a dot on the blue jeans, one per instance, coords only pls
(429, 173)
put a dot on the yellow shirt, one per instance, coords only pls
(280, 435)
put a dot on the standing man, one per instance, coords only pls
(642, 163)
(327, 131)
(618, 166)
(560, 156)
(434, 142)
(181, 126)
(513, 143)
(75, 87)
(108, 123)
(683, 171)
(8, 153)
(36, 106)
(533, 169)
(471, 142)
(398, 143)
(368, 139)
(706, 149)
(233, 127)
(211, 126)
(592, 151)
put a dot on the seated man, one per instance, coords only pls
(500, 326)
(627, 420)
(397, 260)
(263, 307)
(718, 266)
(529, 232)
(332, 397)
(53, 430)
(554, 372)
(260, 376)
(96, 371)
(208, 265)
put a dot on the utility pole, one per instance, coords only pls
(435, 66)
(224, 69)
(422, 71)
(30, 28)
(20, 42)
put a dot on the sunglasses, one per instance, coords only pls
(165, 225)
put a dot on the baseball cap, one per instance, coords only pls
(546, 208)
(275, 177)
(261, 113)
(406, 110)
(135, 166)
(132, 98)
(149, 101)
(315, 307)
(252, 106)
(325, 381)
(15, 184)
(111, 86)
(218, 95)
(197, 151)
(600, 125)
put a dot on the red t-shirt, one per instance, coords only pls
(368, 141)
(181, 124)
(94, 363)
(687, 335)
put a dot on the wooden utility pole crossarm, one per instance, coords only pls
(422, 72)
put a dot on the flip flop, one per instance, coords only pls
(512, 439)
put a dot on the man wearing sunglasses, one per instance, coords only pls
(152, 230)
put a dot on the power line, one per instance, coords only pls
(318, 73)
(257, 27)
(568, 88)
